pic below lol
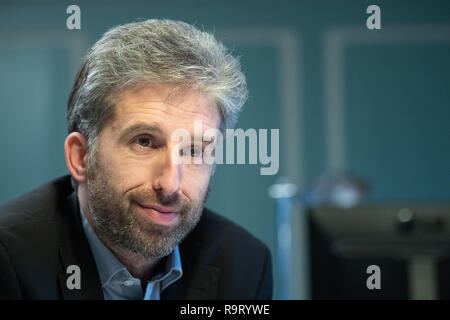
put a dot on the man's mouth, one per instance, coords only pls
(159, 214)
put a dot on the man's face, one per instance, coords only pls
(141, 199)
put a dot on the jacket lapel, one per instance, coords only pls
(74, 250)
(199, 281)
(201, 285)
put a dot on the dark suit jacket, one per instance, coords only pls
(41, 235)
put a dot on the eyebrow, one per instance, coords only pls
(141, 127)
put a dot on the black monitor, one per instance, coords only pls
(409, 243)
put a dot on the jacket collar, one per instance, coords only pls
(200, 281)
(74, 250)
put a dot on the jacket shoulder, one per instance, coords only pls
(217, 229)
(38, 205)
(243, 261)
(29, 240)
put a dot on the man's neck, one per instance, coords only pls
(138, 266)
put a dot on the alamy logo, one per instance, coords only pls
(374, 280)
(235, 146)
(74, 280)
(74, 20)
(374, 20)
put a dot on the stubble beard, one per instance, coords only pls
(118, 221)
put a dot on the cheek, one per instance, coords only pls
(124, 173)
(133, 173)
(195, 182)
(122, 169)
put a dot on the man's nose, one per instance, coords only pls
(169, 173)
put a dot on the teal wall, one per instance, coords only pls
(393, 87)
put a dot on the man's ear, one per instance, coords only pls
(76, 152)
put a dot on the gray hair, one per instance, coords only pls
(153, 51)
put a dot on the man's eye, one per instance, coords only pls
(196, 152)
(144, 141)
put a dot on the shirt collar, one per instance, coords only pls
(108, 265)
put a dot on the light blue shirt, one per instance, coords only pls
(118, 283)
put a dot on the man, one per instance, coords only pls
(129, 221)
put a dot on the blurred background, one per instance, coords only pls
(359, 110)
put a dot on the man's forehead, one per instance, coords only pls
(167, 105)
